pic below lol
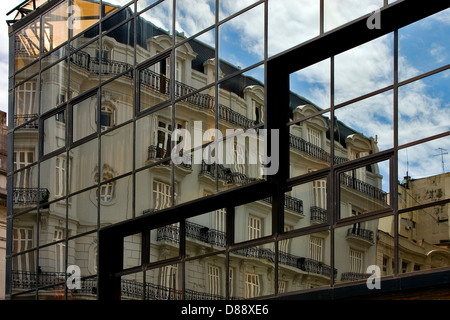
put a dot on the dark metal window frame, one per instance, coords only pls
(355, 33)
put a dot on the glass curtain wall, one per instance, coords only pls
(123, 111)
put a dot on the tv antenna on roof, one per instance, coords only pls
(442, 153)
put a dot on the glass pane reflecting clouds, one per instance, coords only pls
(313, 83)
(230, 7)
(424, 108)
(372, 118)
(160, 15)
(423, 45)
(240, 44)
(194, 16)
(364, 69)
(339, 12)
(304, 23)
(424, 161)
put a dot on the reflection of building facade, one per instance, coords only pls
(89, 153)
(424, 233)
(3, 153)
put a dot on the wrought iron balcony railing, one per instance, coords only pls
(30, 196)
(156, 153)
(26, 118)
(364, 234)
(215, 237)
(318, 214)
(290, 203)
(226, 174)
(313, 150)
(363, 187)
(354, 276)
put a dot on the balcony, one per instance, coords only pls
(313, 150)
(156, 154)
(318, 215)
(26, 118)
(226, 174)
(290, 203)
(354, 276)
(30, 196)
(218, 238)
(161, 84)
(360, 234)
(306, 264)
(363, 187)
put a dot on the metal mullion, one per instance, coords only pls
(394, 160)
(332, 181)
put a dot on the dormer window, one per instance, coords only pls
(314, 137)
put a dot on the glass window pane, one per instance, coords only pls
(82, 208)
(423, 171)
(164, 283)
(424, 231)
(307, 257)
(153, 137)
(195, 64)
(206, 233)
(53, 176)
(26, 192)
(82, 252)
(306, 204)
(209, 283)
(117, 148)
(132, 251)
(253, 220)
(192, 18)
(117, 101)
(115, 199)
(26, 103)
(364, 189)
(54, 86)
(249, 277)
(362, 248)
(423, 108)
(132, 286)
(364, 69)
(55, 132)
(241, 101)
(304, 23)
(154, 189)
(422, 46)
(56, 24)
(371, 119)
(27, 45)
(84, 70)
(154, 85)
(158, 17)
(84, 14)
(230, 7)
(309, 142)
(241, 41)
(117, 53)
(338, 12)
(84, 118)
(84, 172)
(312, 85)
